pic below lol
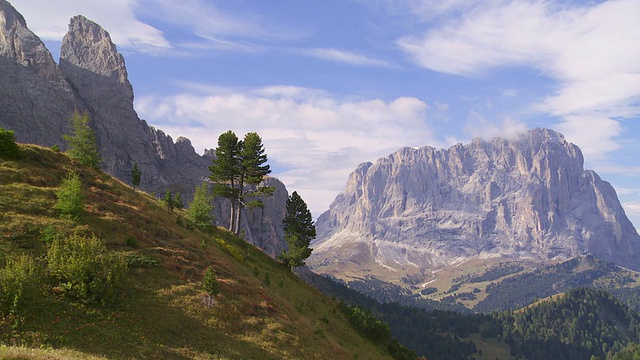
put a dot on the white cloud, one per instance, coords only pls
(202, 17)
(315, 140)
(591, 51)
(50, 19)
(593, 134)
(216, 27)
(345, 57)
(508, 128)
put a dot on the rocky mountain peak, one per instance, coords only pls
(425, 208)
(88, 47)
(92, 79)
(18, 43)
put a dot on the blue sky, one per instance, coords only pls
(329, 84)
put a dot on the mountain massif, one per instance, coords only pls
(421, 209)
(38, 96)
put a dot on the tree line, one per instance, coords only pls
(237, 173)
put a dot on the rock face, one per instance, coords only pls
(426, 208)
(28, 73)
(38, 96)
(262, 225)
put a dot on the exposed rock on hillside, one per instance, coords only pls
(424, 208)
(37, 97)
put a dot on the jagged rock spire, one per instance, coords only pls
(87, 47)
(18, 43)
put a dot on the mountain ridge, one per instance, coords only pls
(38, 96)
(418, 210)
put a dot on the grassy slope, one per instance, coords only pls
(162, 314)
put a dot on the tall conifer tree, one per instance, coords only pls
(82, 141)
(225, 170)
(136, 176)
(239, 163)
(299, 230)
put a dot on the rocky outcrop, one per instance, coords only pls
(19, 44)
(35, 99)
(38, 96)
(426, 208)
(263, 225)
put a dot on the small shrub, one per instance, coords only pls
(200, 210)
(82, 141)
(177, 202)
(48, 234)
(131, 242)
(20, 285)
(168, 200)
(84, 270)
(267, 279)
(368, 325)
(70, 200)
(9, 150)
(55, 148)
(210, 282)
(230, 249)
(141, 261)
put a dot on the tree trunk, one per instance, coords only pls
(232, 217)
(240, 206)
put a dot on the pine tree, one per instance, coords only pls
(177, 202)
(82, 141)
(70, 200)
(168, 200)
(253, 170)
(210, 282)
(200, 210)
(299, 230)
(225, 170)
(136, 175)
(239, 163)
(9, 149)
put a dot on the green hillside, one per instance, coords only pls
(580, 324)
(262, 311)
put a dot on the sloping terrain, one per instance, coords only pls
(487, 285)
(38, 96)
(263, 311)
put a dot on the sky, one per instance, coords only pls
(329, 84)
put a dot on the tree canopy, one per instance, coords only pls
(9, 150)
(299, 230)
(136, 175)
(239, 163)
(82, 141)
(200, 210)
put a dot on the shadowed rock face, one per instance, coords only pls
(37, 97)
(427, 208)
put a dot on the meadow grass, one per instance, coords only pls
(162, 312)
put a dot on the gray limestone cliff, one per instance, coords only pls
(426, 208)
(38, 96)
(28, 72)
